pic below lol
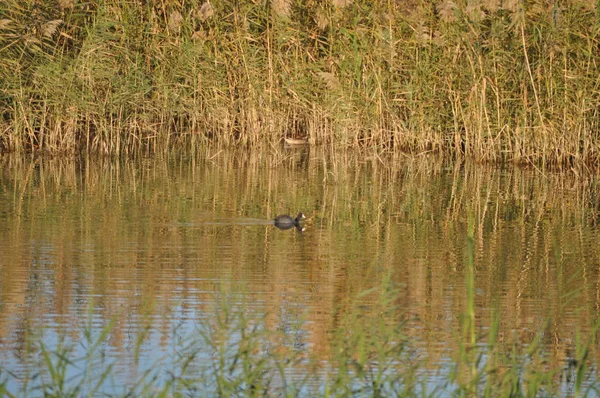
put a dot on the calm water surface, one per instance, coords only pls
(152, 244)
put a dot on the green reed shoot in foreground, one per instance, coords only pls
(492, 80)
(233, 353)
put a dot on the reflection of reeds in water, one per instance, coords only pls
(487, 79)
(371, 356)
(404, 216)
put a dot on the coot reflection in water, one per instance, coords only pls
(287, 222)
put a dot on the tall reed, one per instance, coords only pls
(235, 352)
(495, 81)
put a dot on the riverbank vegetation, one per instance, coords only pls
(236, 353)
(492, 80)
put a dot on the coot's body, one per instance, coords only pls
(286, 222)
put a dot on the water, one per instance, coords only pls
(152, 244)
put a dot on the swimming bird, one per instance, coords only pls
(286, 222)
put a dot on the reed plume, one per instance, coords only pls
(51, 27)
(205, 11)
(282, 8)
(175, 20)
(341, 3)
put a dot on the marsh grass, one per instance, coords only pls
(236, 353)
(517, 82)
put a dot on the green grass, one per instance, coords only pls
(516, 83)
(235, 353)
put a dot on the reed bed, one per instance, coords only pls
(495, 81)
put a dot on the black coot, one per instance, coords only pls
(286, 222)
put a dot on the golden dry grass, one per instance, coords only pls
(488, 80)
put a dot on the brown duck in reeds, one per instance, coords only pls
(295, 141)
